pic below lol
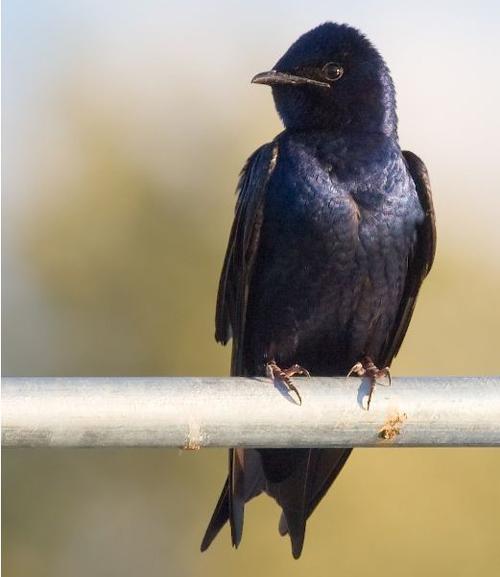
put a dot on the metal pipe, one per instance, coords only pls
(195, 412)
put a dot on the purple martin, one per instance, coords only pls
(332, 237)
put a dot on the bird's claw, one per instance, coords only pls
(367, 368)
(274, 372)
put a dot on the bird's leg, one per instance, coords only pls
(367, 368)
(274, 372)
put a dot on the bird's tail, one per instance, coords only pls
(296, 478)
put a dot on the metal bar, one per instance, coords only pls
(195, 412)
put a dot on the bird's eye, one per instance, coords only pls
(332, 71)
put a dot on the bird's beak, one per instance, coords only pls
(273, 78)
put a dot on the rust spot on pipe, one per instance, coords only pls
(392, 427)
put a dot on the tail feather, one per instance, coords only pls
(236, 494)
(245, 481)
(219, 517)
(310, 474)
(332, 464)
(296, 526)
(287, 473)
(282, 525)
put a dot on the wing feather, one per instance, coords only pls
(232, 298)
(420, 260)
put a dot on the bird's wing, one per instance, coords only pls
(245, 479)
(420, 260)
(232, 298)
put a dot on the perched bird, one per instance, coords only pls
(332, 237)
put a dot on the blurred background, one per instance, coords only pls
(125, 125)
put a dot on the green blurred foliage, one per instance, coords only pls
(125, 269)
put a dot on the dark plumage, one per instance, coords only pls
(332, 238)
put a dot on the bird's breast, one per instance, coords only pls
(334, 247)
(342, 196)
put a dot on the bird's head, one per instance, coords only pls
(333, 78)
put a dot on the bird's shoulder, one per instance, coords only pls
(256, 172)
(427, 231)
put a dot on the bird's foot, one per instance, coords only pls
(367, 368)
(284, 376)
